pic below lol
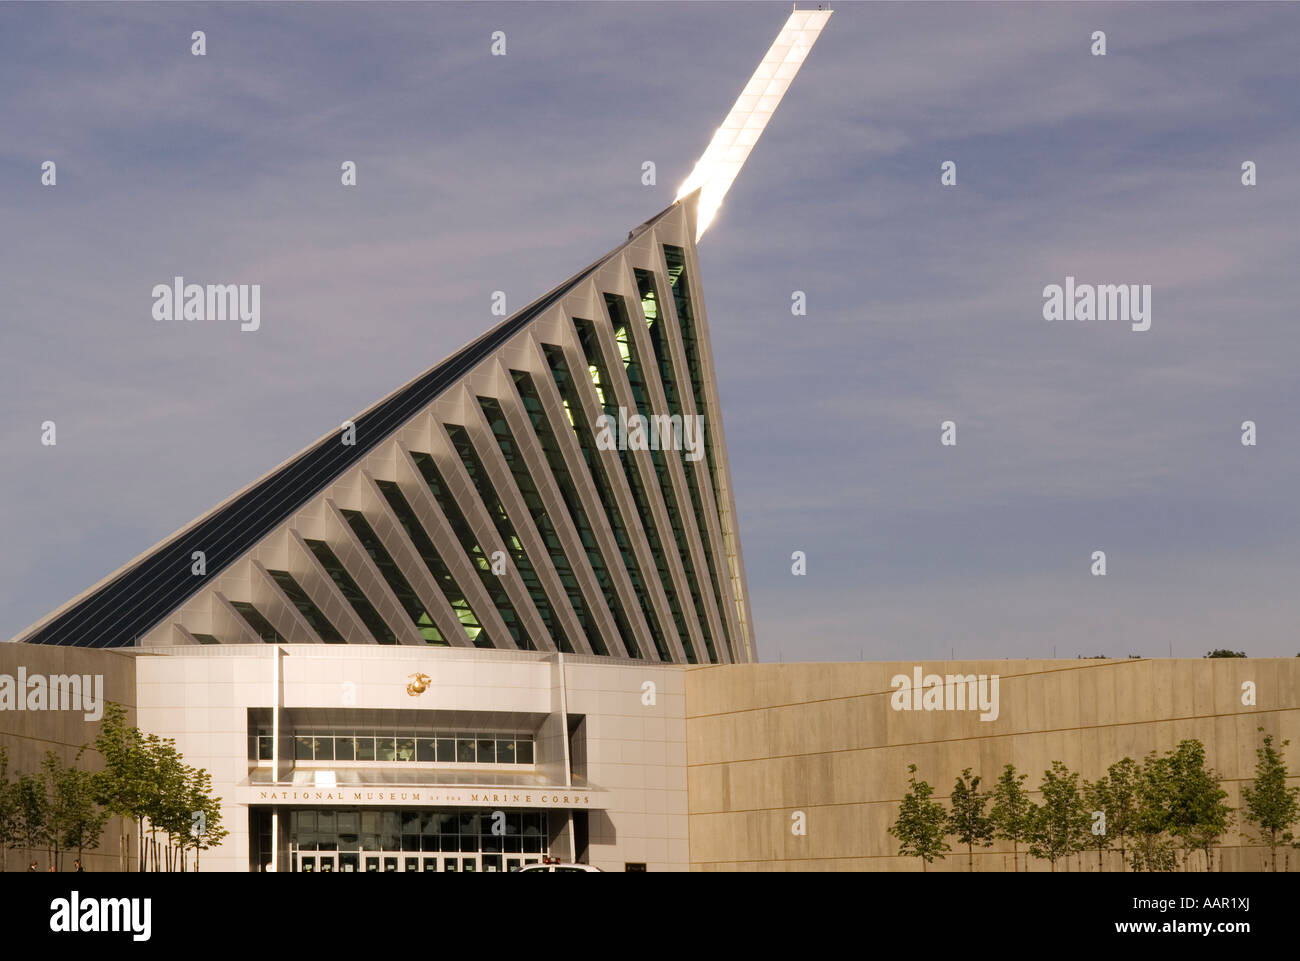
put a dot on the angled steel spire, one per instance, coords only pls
(731, 144)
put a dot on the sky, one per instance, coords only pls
(478, 173)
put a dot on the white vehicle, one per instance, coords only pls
(557, 866)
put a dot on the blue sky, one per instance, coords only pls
(479, 173)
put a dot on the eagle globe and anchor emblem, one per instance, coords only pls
(419, 684)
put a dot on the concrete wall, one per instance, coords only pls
(766, 740)
(635, 749)
(26, 735)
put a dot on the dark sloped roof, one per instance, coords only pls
(116, 613)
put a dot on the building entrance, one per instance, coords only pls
(393, 862)
(382, 841)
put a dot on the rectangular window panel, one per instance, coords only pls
(496, 510)
(569, 494)
(352, 593)
(391, 573)
(473, 550)
(433, 561)
(260, 625)
(310, 612)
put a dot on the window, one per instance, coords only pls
(564, 383)
(310, 612)
(568, 492)
(391, 573)
(596, 363)
(496, 510)
(478, 557)
(403, 747)
(433, 561)
(352, 593)
(537, 509)
(675, 258)
(260, 625)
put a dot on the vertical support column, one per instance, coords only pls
(275, 754)
(568, 758)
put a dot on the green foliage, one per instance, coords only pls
(1224, 652)
(1270, 805)
(1060, 822)
(921, 822)
(8, 811)
(32, 814)
(966, 819)
(1097, 798)
(205, 830)
(1153, 848)
(1011, 812)
(75, 821)
(1120, 803)
(1197, 815)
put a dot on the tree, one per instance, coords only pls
(8, 811)
(1121, 800)
(1197, 815)
(31, 813)
(205, 829)
(966, 819)
(75, 819)
(920, 825)
(165, 802)
(1269, 804)
(1224, 652)
(1011, 810)
(1096, 796)
(1153, 849)
(1060, 823)
(123, 784)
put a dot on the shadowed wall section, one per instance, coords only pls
(26, 735)
(767, 740)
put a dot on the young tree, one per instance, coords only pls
(1122, 777)
(56, 810)
(1269, 804)
(1153, 849)
(1061, 821)
(1011, 811)
(8, 811)
(205, 829)
(166, 803)
(966, 819)
(1197, 815)
(920, 825)
(123, 784)
(1097, 798)
(31, 813)
(81, 818)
